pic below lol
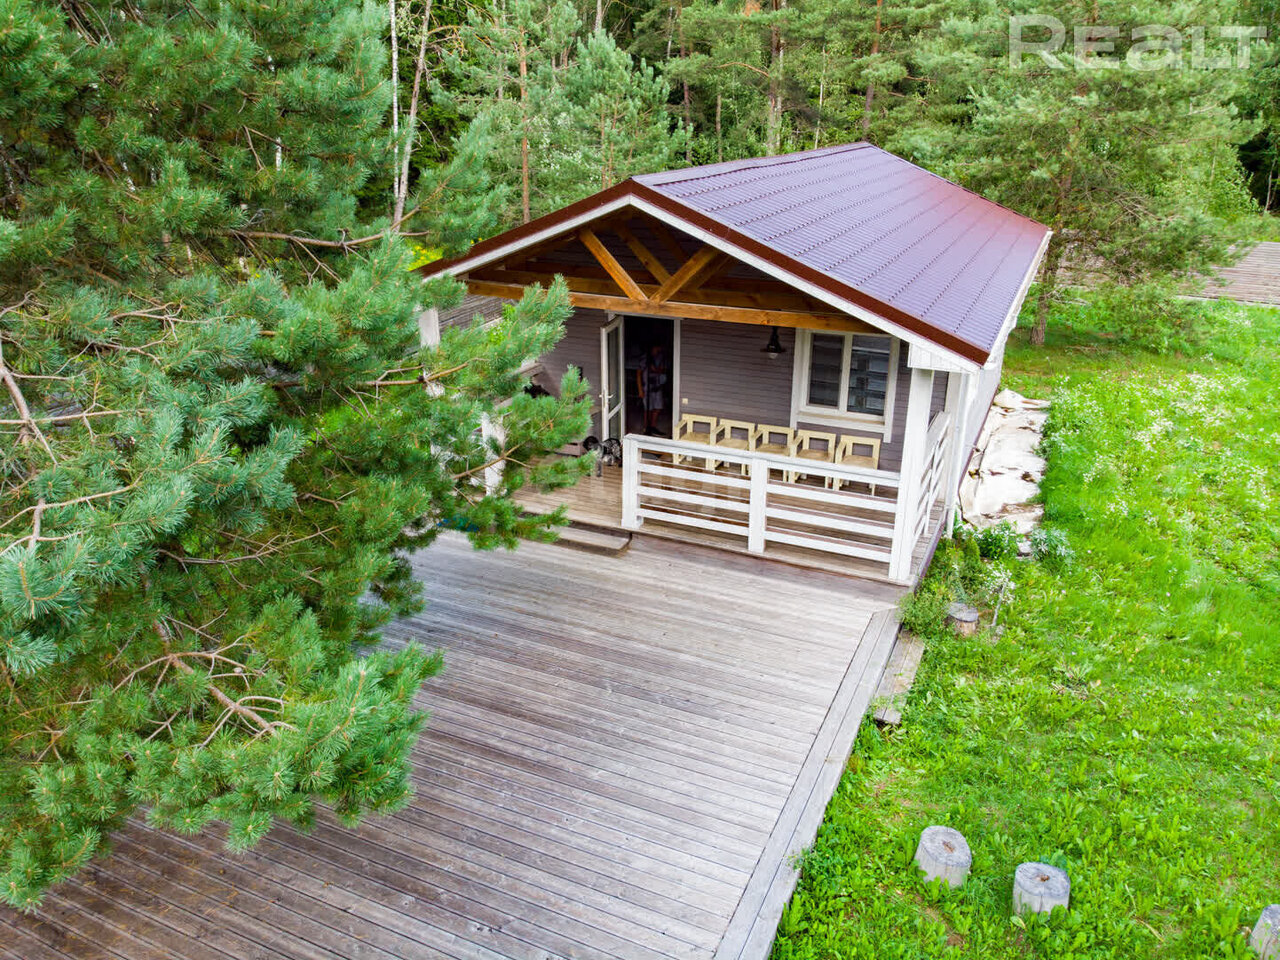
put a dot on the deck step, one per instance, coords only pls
(593, 539)
(899, 675)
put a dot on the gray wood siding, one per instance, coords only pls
(938, 402)
(488, 309)
(580, 345)
(724, 374)
(891, 451)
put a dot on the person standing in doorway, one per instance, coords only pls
(651, 381)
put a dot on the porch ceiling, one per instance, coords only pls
(632, 263)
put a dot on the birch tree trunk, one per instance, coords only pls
(686, 98)
(822, 95)
(411, 123)
(719, 141)
(395, 102)
(524, 127)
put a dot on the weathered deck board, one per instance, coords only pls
(1255, 279)
(622, 755)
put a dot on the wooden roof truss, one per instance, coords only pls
(633, 264)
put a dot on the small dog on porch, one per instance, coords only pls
(610, 452)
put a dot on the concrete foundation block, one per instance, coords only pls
(944, 852)
(1038, 888)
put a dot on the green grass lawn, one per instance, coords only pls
(1126, 725)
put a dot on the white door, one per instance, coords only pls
(612, 389)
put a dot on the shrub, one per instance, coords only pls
(999, 542)
(1051, 547)
(1153, 316)
(925, 611)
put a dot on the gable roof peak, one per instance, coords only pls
(749, 163)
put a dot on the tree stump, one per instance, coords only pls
(1038, 888)
(1266, 933)
(963, 619)
(944, 852)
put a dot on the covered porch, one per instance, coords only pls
(783, 360)
(824, 515)
(783, 430)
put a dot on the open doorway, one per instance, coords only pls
(650, 374)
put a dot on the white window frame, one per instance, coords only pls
(831, 416)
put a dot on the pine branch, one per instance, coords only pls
(64, 417)
(20, 403)
(422, 378)
(504, 456)
(265, 550)
(344, 245)
(69, 503)
(237, 707)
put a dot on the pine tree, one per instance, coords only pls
(1104, 156)
(617, 117)
(510, 66)
(756, 76)
(219, 435)
(734, 63)
(1260, 100)
(566, 115)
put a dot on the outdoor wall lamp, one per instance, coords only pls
(774, 348)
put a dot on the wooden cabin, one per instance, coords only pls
(795, 353)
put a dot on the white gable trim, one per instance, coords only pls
(554, 230)
(1011, 318)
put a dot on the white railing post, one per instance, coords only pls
(965, 396)
(493, 433)
(630, 484)
(914, 436)
(429, 327)
(756, 516)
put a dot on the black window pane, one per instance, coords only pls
(826, 357)
(868, 375)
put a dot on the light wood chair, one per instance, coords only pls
(736, 435)
(695, 428)
(847, 454)
(807, 446)
(773, 439)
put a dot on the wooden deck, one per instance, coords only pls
(622, 756)
(1255, 279)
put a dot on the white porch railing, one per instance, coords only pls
(937, 450)
(749, 496)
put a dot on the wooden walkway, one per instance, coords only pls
(1255, 279)
(623, 754)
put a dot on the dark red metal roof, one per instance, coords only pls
(870, 220)
(855, 221)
